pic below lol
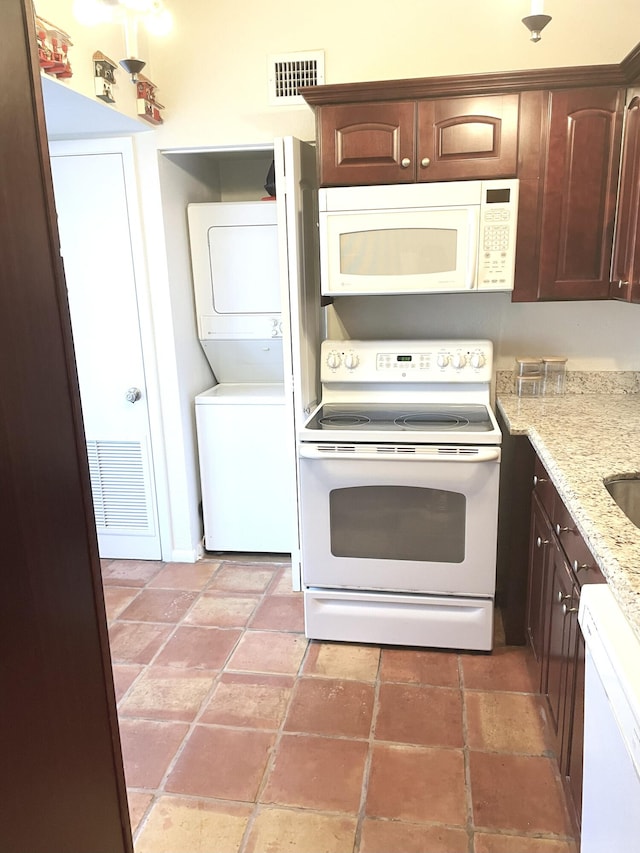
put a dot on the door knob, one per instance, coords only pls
(133, 395)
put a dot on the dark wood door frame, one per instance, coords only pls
(62, 785)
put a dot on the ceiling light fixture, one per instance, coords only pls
(537, 20)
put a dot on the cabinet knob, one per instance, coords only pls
(623, 283)
(561, 596)
(540, 541)
(425, 162)
(580, 568)
(537, 480)
(405, 162)
(566, 610)
(560, 530)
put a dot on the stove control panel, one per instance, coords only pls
(407, 361)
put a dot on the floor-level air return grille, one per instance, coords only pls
(288, 72)
(119, 483)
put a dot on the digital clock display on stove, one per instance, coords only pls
(404, 358)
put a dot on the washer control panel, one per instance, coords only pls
(407, 361)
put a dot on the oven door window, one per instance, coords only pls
(398, 523)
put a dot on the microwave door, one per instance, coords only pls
(408, 251)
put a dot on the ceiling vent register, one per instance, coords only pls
(288, 72)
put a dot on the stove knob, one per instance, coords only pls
(443, 359)
(459, 360)
(351, 361)
(333, 360)
(478, 360)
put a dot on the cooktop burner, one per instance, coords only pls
(423, 417)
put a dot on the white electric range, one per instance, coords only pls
(399, 472)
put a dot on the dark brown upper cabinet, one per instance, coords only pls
(579, 193)
(625, 278)
(558, 130)
(367, 143)
(424, 140)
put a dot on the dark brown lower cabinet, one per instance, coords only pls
(559, 565)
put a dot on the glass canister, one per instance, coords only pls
(554, 374)
(527, 376)
(528, 386)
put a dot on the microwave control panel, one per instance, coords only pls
(498, 227)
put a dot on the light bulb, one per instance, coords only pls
(159, 23)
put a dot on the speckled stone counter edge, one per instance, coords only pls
(583, 441)
(583, 382)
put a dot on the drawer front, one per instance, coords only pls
(579, 556)
(544, 489)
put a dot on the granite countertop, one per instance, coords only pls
(584, 439)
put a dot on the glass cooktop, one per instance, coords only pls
(394, 417)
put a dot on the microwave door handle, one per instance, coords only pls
(472, 260)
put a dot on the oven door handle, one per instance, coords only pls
(312, 451)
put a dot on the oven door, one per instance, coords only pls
(400, 518)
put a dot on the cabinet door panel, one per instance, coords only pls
(367, 143)
(462, 138)
(626, 258)
(539, 545)
(575, 736)
(559, 603)
(580, 193)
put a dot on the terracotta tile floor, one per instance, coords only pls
(240, 736)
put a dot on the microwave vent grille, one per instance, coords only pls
(288, 72)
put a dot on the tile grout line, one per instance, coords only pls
(160, 790)
(206, 699)
(255, 807)
(467, 759)
(271, 761)
(361, 815)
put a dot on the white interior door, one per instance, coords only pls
(302, 315)
(99, 253)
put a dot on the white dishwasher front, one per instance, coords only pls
(611, 789)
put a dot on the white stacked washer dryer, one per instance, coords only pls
(247, 500)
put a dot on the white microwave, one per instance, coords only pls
(418, 238)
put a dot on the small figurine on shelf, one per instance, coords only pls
(45, 53)
(53, 48)
(104, 76)
(148, 107)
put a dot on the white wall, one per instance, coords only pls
(211, 71)
(593, 335)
